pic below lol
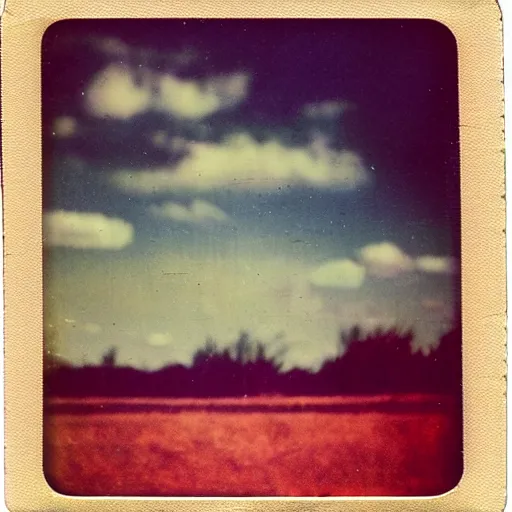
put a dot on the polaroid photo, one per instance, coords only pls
(254, 256)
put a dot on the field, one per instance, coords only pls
(388, 446)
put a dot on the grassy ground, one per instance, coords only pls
(264, 452)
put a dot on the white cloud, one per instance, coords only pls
(188, 99)
(385, 259)
(158, 339)
(64, 127)
(435, 264)
(199, 212)
(338, 274)
(115, 92)
(85, 230)
(242, 161)
(326, 109)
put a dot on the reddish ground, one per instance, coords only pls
(188, 451)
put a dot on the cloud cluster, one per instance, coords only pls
(80, 230)
(244, 162)
(343, 273)
(199, 212)
(381, 260)
(116, 92)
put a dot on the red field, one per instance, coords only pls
(252, 447)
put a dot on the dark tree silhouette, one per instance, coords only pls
(109, 358)
(379, 362)
(348, 337)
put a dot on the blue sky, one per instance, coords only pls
(293, 184)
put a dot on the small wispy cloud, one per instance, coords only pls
(117, 50)
(64, 127)
(112, 46)
(158, 339)
(435, 264)
(326, 109)
(81, 230)
(243, 162)
(343, 273)
(199, 212)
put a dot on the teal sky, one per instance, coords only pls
(192, 189)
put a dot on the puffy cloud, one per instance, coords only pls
(338, 274)
(64, 127)
(242, 161)
(385, 259)
(435, 264)
(187, 99)
(115, 92)
(199, 212)
(326, 109)
(158, 339)
(80, 230)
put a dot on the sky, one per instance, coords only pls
(288, 178)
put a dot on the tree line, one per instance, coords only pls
(379, 362)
